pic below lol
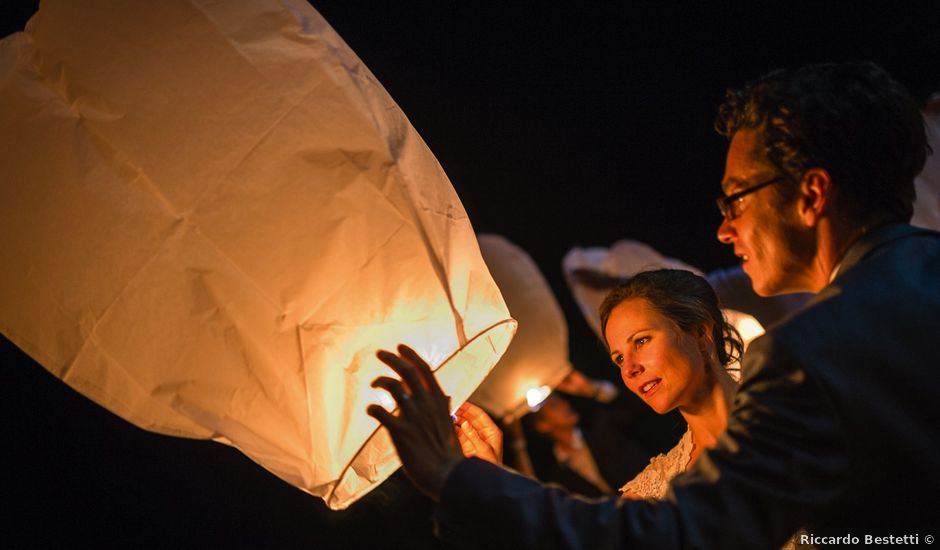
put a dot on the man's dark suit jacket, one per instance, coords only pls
(836, 426)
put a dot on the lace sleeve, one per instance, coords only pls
(654, 480)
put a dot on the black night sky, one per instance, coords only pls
(574, 125)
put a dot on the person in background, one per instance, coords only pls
(589, 455)
(566, 456)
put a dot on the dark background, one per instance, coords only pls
(559, 127)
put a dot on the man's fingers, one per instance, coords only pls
(384, 417)
(405, 367)
(393, 387)
(422, 369)
(415, 372)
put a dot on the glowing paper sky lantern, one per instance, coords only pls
(212, 215)
(538, 355)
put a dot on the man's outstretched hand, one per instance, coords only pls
(422, 431)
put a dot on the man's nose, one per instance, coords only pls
(726, 231)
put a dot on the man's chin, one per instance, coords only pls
(764, 292)
(760, 284)
(763, 287)
(768, 289)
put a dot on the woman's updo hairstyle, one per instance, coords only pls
(684, 298)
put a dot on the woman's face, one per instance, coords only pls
(659, 362)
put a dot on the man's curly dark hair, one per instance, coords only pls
(852, 119)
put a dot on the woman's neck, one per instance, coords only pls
(707, 416)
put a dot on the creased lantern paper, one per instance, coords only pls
(538, 355)
(212, 215)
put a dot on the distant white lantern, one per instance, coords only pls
(212, 215)
(537, 359)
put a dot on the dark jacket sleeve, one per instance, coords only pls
(781, 460)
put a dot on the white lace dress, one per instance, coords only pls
(653, 481)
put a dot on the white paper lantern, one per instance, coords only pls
(212, 215)
(538, 355)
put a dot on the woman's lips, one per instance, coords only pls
(650, 387)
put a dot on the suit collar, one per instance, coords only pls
(873, 240)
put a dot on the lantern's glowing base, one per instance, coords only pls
(458, 375)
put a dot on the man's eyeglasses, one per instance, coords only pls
(730, 205)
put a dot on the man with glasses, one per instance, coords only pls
(730, 206)
(836, 426)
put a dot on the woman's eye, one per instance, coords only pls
(618, 360)
(640, 341)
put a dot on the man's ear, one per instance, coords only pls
(816, 194)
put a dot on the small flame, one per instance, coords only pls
(535, 396)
